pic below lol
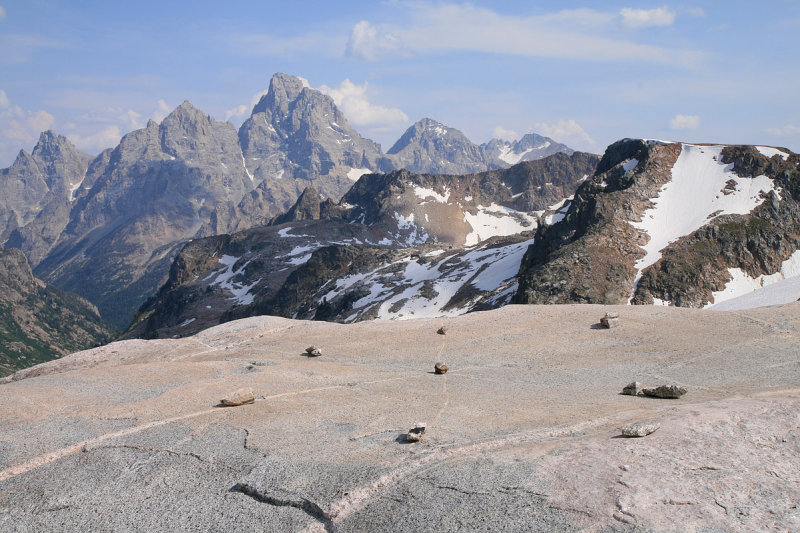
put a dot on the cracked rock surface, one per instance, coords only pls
(126, 438)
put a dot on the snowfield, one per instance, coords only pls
(701, 188)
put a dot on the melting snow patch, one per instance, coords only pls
(769, 152)
(424, 193)
(742, 285)
(244, 164)
(697, 189)
(630, 164)
(225, 280)
(355, 173)
(186, 322)
(496, 220)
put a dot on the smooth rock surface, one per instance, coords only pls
(131, 441)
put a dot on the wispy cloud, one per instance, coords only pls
(352, 99)
(567, 131)
(502, 133)
(268, 45)
(571, 34)
(646, 18)
(19, 128)
(684, 122)
(2, 13)
(4, 101)
(784, 131)
(16, 48)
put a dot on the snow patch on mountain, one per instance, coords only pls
(497, 220)
(702, 187)
(355, 173)
(424, 193)
(742, 284)
(241, 293)
(768, 151)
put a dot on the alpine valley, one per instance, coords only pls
(188, 223)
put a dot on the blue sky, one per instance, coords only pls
(584, 73)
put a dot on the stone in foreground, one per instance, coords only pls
(440, 368)
(442, 330)
(314, 351)
(640, 429)
(611, 320)
(632, 389)
(240, 397)
(665, 391)
(415, 434)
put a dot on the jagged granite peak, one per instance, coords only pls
(39, 322)
(161, 186)
(297, 137)
(670, 223)
(37, 191)
(531, 146)
(431, 147)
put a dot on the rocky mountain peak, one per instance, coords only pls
(283, 90)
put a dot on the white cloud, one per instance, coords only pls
(237, 111)
(572, 34)
(646, 18)
(161, 111)
(4, 101)
(368, 42)
(2, 13)
(784, 131)
(684, 122)
(353, 101)
(507, 135)
(566, 131)
(20, 128)
(97, 142)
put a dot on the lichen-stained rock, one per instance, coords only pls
(415, 434)
(632, 389)
(665, 391)
(640, 429)
(239, 397)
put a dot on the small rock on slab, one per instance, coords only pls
(240, 397)
(610, 321)
(665, 391)
(440, 368)
(640, 429)
(314, 351)
(415, 434)
(442, 330)
(632, 389)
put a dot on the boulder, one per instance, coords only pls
(611, 320)
(665, 391)
(442, 330)
(415, 434)
(240, 397)
(640, 429)
(440, 368)
(632, 389)
(314, 351)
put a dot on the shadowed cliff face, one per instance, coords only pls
(39, 322)
(667, 221)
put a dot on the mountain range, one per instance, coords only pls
(109, 227)
(188, 223)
